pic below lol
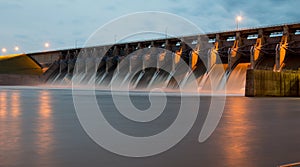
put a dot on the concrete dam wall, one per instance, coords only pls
(235, 59)
(270, 83)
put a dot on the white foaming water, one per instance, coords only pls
(130, 77)
(237, 80)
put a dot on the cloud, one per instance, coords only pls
(21, 36)
(64, 22)
(9, 5)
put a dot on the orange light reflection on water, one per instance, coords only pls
(3, 105)
(10, 124)
(236, 133)
(45, 125)
(15, 104)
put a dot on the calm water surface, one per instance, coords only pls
(39, 127)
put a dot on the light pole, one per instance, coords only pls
(75, 44)
(166, 32)
(238, 19)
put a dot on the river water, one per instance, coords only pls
(39, 127)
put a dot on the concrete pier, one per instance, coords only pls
(270, 83)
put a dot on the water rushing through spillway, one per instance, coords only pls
(147, 70)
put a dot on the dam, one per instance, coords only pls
(41, 126)
(261, 61)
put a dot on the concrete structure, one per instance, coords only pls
(19, 69)
(274, 48)
(20, 79)
(270, 83)
(19, 64)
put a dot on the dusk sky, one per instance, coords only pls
(30, 23)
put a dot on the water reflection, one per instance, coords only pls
(9, 105)
(15, 123)
(3, 105)
(45, 124)
(15, 104)
(237, 131)
(10, 125)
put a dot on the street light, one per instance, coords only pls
(47, 45)
(238, 19)
(4, 50)
(16, 48)
(19, 50)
